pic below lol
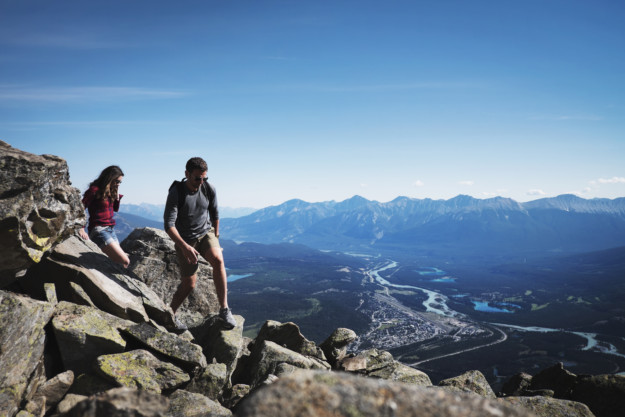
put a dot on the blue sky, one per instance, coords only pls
(322, 100)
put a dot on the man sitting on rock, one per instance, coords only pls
(192, 221)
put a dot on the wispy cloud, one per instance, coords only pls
(567, 117)
(466, 182)
(373, 88)
(418, 183)
(85, 94)
(84, 41)
(82, 123)
(536, 191)
(613, 180)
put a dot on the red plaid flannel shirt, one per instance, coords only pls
(101, 210)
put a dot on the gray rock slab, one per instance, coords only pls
(314, 393)
(121, 402)
(55, 389)
(549, 407)
(185, 353)
(153, 260)
(190, 404)
(105, 283)
(83, 333)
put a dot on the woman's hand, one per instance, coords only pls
(83, 234)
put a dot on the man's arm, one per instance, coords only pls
(189, 252)
(216, 226)
(169, 219)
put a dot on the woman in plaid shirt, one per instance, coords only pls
(102, 201)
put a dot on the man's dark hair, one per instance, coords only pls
(196, 163)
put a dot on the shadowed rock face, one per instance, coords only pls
(38, 208)
(22, 339)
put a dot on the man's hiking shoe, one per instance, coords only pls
(180, 326)
(225, 314)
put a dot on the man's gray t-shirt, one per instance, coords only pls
(196, 215)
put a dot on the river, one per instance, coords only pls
(437, 303)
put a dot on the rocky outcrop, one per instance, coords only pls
(186, 354)
(84, 333)
(380, 364)
(142, 370)
(153, 260)
(183, 403)
(121, 402)
(603, 394)
(335, 347)
(83, 274)
(289, 336)
(314, 393)
(472, 381)
(38, 208)
(549, 407)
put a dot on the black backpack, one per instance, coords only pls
(206, 190)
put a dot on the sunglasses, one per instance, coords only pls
(200, 179)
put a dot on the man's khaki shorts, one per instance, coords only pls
(202, 244)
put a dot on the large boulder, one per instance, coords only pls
(313, 393)
(190, 404)
(267, 356)
(473, 381)
(210, 382)
(180, 351)
(380, 364)
(289, 336)
(335, 346)
(153, 260)
(82, 273)
(22, 342)
(549, 407)
(83, 333)
(38, 208)
(220, 345)
(604, 394)
(121, 402)
(142, 370)
(55, 389)
(555, 378)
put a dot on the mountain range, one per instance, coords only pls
(155, 211)
(462, 226)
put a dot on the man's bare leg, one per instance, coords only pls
(187, 284)
(215, 258)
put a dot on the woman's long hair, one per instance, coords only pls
(103, 182)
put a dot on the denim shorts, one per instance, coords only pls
(103, 235)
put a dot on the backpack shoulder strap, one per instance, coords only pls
(208, 191)
(179, 187)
